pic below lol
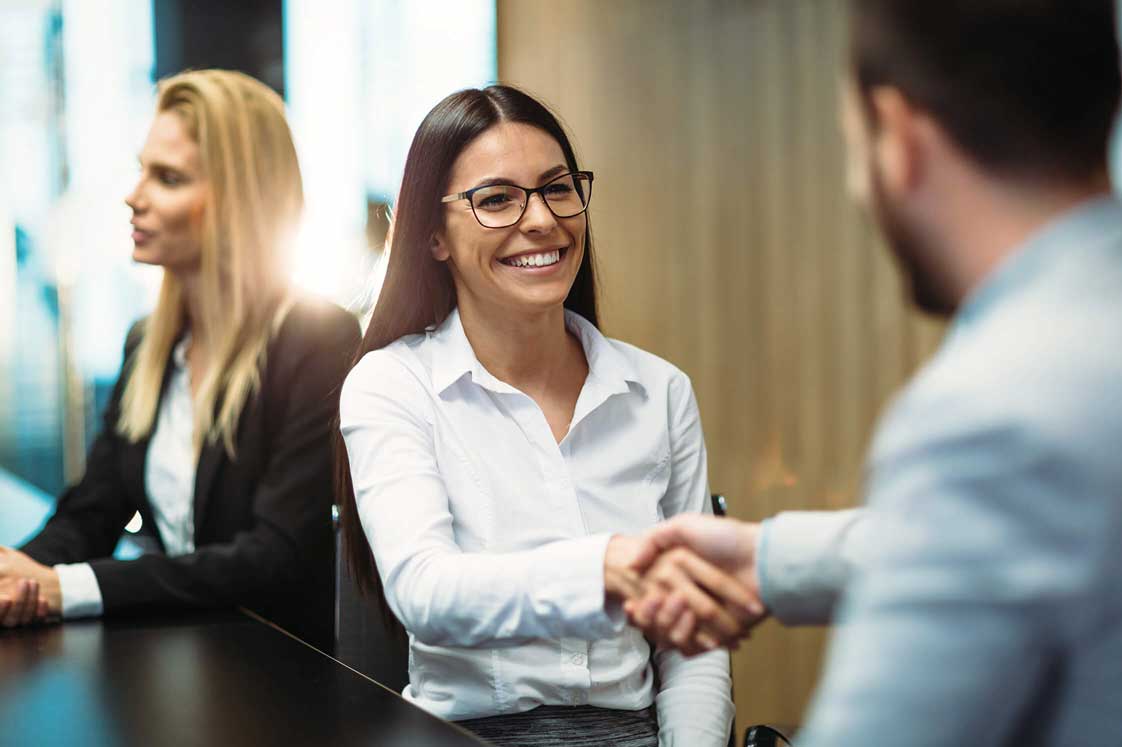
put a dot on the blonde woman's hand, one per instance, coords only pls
(29, 591)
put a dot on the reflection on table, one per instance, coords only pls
(217, 679)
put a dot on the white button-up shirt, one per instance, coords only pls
(169, 481)
(490, 536)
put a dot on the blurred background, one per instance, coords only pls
(723, 237)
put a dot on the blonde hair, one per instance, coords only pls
(254, 202)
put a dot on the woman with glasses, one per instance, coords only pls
(499, 444)
(218, 432)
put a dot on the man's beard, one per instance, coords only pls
(914, 254)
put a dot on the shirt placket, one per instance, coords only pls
(573, 653)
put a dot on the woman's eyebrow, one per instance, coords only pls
(157, 165)
(546, 176)
(556, 170)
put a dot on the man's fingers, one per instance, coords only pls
(706, 640)
(704, 608)
(720, 584)
(642, 612)
(683, 630)
(671, 610)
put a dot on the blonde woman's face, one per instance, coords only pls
(168, 200)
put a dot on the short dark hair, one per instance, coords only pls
(418, 291)
(1027, 88)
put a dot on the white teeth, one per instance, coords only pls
(536, 260)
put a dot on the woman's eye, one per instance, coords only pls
(494, 201)
(170, 178)
(559, 189)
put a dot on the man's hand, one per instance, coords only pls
(29, 591)
(729, 545)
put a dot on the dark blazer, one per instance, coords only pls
(263, 530)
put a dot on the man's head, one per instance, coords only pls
(1017, 92)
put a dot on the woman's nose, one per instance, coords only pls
(538, 216)
(134, 199)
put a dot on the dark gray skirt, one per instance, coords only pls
(568, 726)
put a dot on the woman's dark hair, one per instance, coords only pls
(418, 291)
(1026, 87)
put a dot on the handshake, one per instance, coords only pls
(690, 583)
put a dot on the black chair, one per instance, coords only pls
(720, 508)
(362, 640)
(760, 735)
(765, 736)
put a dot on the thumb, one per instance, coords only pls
(655, 541)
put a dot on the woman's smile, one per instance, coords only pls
(536, 261)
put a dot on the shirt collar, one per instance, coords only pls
(1094, 222)
(179, 352)
(453, 357)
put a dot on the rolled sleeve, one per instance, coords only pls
(693, 703)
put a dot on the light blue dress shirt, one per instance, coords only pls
(984, 595)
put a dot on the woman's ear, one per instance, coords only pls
(439, 248)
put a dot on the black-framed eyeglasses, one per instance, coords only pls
(503, 205)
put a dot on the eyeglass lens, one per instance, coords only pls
(502, 205)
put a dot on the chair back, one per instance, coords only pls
(362, 640)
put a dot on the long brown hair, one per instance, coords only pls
(418, 291)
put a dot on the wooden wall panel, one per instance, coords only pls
(726, 245)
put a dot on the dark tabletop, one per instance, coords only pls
(218, 679)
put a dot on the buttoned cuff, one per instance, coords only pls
(570, 586)
(81, 595)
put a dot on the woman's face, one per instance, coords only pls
(167, 202)
(525, 268)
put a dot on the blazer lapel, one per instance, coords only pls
(133, 458)
(210, 459)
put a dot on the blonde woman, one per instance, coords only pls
(218, 430)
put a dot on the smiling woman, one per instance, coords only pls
(497, 447)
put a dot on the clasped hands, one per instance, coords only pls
(29, 591)
(690, 583)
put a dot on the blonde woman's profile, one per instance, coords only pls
(218, 429)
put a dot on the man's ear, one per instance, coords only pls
(897, 139)
(855, 131)
(439, 248)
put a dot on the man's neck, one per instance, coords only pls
(995, 221)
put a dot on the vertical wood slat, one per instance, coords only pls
(726, 245)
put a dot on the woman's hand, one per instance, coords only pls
(29, 591)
